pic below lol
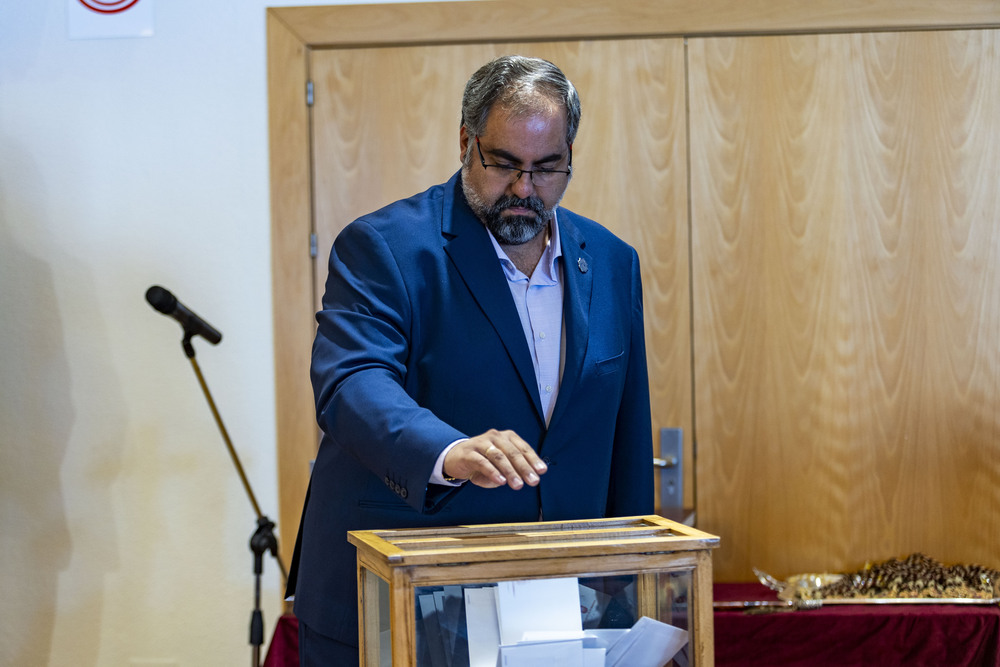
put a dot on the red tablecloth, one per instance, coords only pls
(284, 648)
(862, 635)
(845, 635)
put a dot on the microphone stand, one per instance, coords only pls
(263, 538)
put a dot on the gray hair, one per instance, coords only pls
(512, 82)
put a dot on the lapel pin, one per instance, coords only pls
(582, 263)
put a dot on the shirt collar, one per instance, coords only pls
(546, 271)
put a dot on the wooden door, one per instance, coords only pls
(842, 231)
(846, 271)
(385, 125)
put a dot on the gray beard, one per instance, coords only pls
(510, 229)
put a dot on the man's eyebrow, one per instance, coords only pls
(510, 157)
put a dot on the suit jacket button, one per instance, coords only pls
(402, 492)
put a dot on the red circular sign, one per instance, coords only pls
(108, 7)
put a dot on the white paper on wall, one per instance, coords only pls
(102, 19)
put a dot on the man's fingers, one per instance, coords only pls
(514, 459)
(468, 460)
(494, 459)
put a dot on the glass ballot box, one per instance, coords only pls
(632, 591)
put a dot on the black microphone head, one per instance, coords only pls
(161, 299)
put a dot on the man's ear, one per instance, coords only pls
(463, 143)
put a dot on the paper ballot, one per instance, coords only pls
(547, 654)
(649, 643)
(537, 604)
(432, 629)
(448, 603)
(592, 654)
(482, 626)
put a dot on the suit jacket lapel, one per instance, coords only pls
(468, 245)
(578, 287)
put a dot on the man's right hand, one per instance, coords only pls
(493, 459)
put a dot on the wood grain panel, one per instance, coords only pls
(631, 166)
(385, 126)
(377, 143)
(855, 348)
(847, 298)
(392, 24)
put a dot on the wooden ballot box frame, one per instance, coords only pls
(643, 546)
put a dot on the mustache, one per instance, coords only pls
(510, 201)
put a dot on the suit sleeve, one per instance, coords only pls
(631, 485)
(359, 367)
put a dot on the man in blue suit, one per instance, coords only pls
(480, 355)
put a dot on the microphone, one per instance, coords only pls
(167, 303)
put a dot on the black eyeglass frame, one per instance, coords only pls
(530, 172)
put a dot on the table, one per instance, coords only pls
(843, 635)
(880, 635)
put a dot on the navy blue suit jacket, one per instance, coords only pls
(419, 344)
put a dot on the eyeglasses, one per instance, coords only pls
(538, 177)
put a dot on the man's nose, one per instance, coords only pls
(523, 186)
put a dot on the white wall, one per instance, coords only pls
(126, 163)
